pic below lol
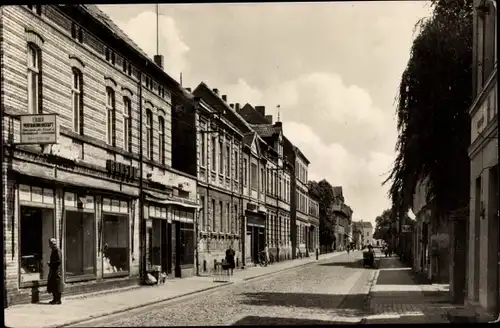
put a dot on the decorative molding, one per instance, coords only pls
(127, 92)
(110, 82)
(146, 102)
(76, 62)
(33, 37)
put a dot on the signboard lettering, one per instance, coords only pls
(121, 170)
(39, 129)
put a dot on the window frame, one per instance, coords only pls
(127, 124)
(110, 116)
(203, 147)
(34, 70)
(149, 133)
(161, 139)
(221, 156)
(213, 152)
(77, 91)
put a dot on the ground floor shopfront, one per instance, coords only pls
(483, 260)
(95, 219)
(170, 237)
(96, 230)
(278, 238)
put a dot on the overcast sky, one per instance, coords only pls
(333, 67)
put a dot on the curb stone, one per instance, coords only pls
(133, 307)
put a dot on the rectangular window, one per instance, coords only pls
(37, 226)
(76, 99)
(262, 189)
(186, 241)
(254, 177)
(149, 134)
(236, 165)
(221, 157)
(34, 71)
(203, 150)
(115, 237)
(127, 124)
(214, 217)
(228, 161)
(213, 146)
(236, 219)
(222, 228)
(80, 243)
(110, 117)
(229, 226)
(161, 138)
(245, 172)
(203, 219)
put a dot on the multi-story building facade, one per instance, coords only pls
(483, 257)
(357, 235)
(367, 231)
(230, 164)
(343, 219)
(313, 239)
(278, 173)
(83, 186)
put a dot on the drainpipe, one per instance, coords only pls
(142, 222)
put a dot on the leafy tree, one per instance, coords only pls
(433, 124)
(383, 226)
(323, 192)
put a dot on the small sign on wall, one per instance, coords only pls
(39, 129)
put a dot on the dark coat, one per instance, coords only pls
(230, 258)
(54, 281)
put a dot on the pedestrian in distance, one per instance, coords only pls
(54, 281)
(266, 253)
(230, 254)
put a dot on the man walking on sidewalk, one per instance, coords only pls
(54, 281)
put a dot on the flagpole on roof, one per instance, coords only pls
(157, 29)
(278, 108)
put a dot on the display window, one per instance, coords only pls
(186, 242)
(80, 236)
(115, 237)
(36, 227)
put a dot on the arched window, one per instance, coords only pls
(127, 124)
(110, 117)
(161, 138)
(149, 134)
(34, 71)
(76, 99)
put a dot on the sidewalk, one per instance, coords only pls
(84, 307)
(397, 297)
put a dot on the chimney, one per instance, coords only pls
(269, 118)
(278, 124)
(261, 110)
(237, 107)
(216, 91)
(158, 59)
(224, 97)
(231, 105)
(188, 89)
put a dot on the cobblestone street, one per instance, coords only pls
(306, 295)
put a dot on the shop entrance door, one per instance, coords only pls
(169, 252)
(164, 246)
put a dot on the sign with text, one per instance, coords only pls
(122, 170)
(405, 228)
(39, 129)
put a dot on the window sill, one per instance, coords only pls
(120, 274)
(31, 284)
(85, 277)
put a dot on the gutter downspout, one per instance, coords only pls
(142, 222)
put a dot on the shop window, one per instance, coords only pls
(187, 242)
(80, 235)
(115, 237)
(155, 243)
(37, 227)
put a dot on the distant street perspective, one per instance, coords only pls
(250, 164)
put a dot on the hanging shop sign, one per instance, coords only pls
(122, 170)
(39, 129)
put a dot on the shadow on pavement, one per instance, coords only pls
(354, 264)
(349, 305)
(258, 321)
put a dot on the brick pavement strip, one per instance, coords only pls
(85, 307)
(392, 303)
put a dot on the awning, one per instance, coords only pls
(166, 201)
